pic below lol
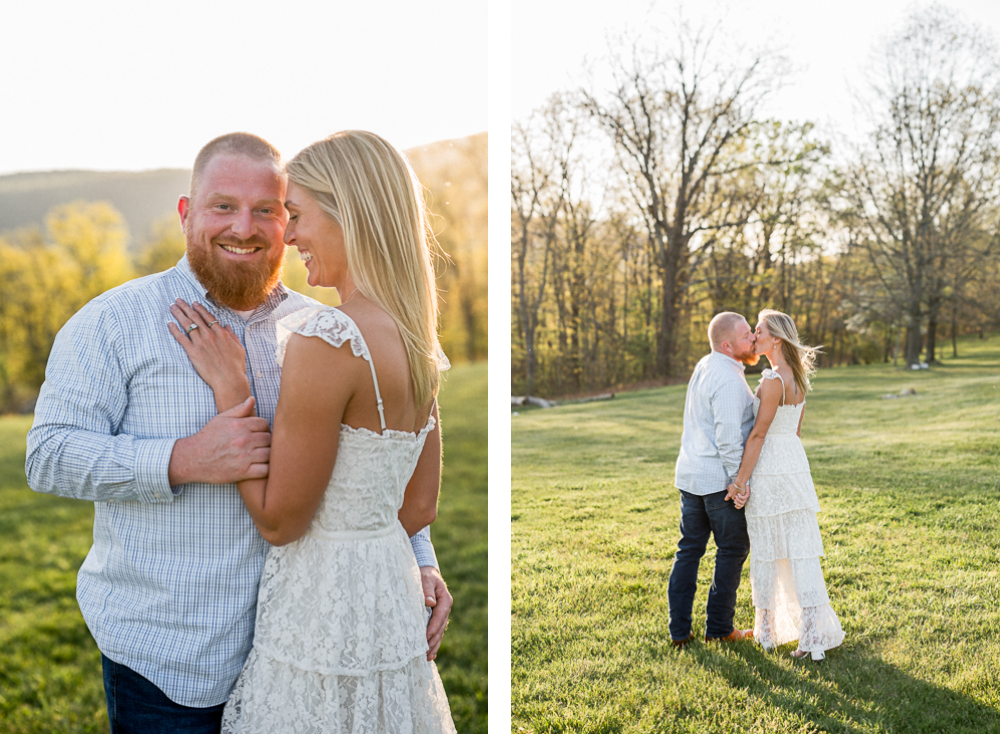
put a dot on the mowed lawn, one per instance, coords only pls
(50, 669)
(910, 497)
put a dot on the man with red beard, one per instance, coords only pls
(169, 588)
(718, 416)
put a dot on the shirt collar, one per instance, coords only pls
(275, 297)
(184, 268)
(726, 359)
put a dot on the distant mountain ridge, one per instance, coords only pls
(142, 197)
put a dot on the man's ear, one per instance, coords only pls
(184, 208)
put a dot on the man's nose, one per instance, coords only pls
(243, 224)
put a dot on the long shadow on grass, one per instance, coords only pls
(853, 690)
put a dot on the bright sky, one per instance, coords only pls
(125, 85)
(828, 43)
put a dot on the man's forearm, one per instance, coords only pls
(731, 455)
(729, 442)
(91, 466)
(184, 466)
(233, 446)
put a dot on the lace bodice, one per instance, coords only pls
(371, 472)
(782, 454)
(786, 419)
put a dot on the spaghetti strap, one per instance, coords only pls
(334, 327)
(378, 395)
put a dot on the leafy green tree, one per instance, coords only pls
(165, 246)
(45, 279)
(454, 175)
(672, 113)
(95, 238)
(925, 182)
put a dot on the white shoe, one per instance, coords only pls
(817, 656)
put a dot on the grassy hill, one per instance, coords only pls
(142, 197)
(910, 497)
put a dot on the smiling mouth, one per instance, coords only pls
(239, 250)
(305, 256)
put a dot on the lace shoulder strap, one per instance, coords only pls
(769, 374)
(332, 326)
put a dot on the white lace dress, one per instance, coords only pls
(789, 593)
(340, 640)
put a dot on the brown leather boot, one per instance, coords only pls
(734, 636)
(682, 643)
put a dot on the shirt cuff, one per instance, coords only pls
(423, 549)
(152, 467)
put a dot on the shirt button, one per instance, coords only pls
(259, 373)
(157, 495)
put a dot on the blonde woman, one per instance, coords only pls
(340, 641)
(789, 593)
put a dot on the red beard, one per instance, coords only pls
(240, 286)
(749, 358)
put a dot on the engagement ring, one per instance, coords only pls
(191, 328)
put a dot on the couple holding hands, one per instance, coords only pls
(744, 479)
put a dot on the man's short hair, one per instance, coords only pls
(245, 144)
(722, 327)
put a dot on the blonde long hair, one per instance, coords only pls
(801, 358)
(368, 187)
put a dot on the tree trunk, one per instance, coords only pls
(676, 246)
(577, 288)
(666, 325)
(912, 349)
(954, 333)
(931, 339)
(529, 361)
(468, 306)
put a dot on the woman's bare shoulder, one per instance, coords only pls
(769, 388)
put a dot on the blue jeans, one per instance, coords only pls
(702, 516)
(136, 706)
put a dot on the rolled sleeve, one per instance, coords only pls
(423, 549)
(728, 403)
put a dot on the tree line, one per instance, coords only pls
(48, 273)
(640, 209)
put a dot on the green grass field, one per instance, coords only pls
(50, 669)
(910, 496)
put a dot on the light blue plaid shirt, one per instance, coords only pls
(169, 587)
(718, 416)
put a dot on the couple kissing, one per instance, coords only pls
(744, 479)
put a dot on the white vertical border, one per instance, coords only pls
(499, 40)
